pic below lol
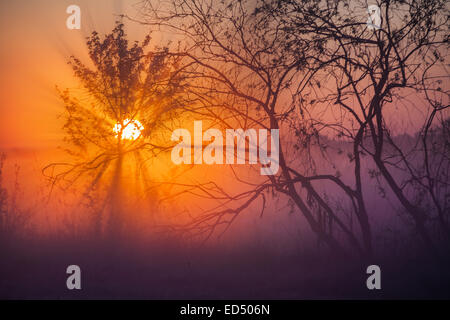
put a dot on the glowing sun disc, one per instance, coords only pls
(131, 131)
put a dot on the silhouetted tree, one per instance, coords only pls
(368, 78)
(317, 71)
(127, 97)
(244, 74)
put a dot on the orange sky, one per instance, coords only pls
(34, 47)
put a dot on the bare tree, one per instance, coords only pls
(370, 73)
(243, 73)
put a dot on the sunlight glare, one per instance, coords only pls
(131, 131)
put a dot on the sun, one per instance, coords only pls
(132, 129)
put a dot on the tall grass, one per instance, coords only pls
(14, 219)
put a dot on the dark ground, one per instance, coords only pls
(37, 270)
